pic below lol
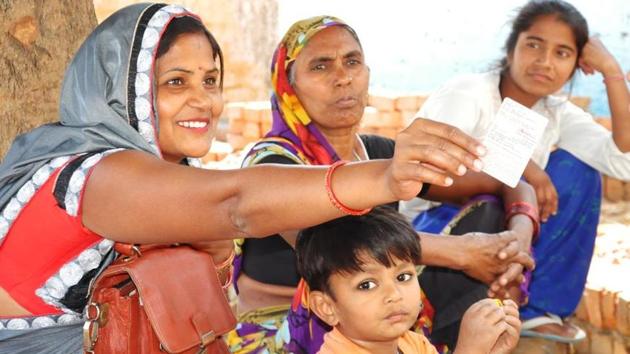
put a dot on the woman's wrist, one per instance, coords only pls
(352, 180)
(222, 257)
(523, 226)
(445, 251)
(518, 216)
(333, 196)
(613, 70)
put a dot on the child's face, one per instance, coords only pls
(377, 304)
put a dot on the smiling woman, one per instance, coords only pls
(139, 101)
(189, 93)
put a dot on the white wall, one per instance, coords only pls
(416, 45)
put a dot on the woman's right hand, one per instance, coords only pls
(481, 256)
(428, 152)
(546, 193)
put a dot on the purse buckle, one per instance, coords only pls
(96, 316)
(206, 339)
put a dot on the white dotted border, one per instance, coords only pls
(25, 193)
(39, 322)
(144, 64)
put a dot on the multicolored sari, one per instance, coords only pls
(295, 137)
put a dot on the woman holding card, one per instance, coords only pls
(549, 41)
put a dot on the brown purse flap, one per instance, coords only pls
(182, 296)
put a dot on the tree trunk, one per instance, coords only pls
(37, 41)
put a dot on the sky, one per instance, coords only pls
(415, 46)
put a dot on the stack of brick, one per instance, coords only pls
(387, 115)
(246, 122)
(218, 152)
(605, 307)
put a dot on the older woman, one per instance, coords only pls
(320, 91)
(141, 97)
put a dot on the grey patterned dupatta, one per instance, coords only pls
(106, 98)
(107, 102)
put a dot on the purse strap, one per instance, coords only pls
(135, 250)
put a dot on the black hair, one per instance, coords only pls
(188, 24)
(335, 247)
(534, 9)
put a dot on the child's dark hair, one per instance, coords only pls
(188, 24)
(336, 246)
(534, 9)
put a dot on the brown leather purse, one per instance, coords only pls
(157, 299)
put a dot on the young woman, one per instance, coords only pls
(141, 97)
(548, 43)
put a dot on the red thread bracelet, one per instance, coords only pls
(333, 197)
(612, 78)
(528, 210)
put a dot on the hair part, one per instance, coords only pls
(190, 25)
(338, 246)
(532, 11)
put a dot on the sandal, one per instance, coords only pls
(528, 329)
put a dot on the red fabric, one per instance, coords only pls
(282, 82)
(312, 148)
(40, 241)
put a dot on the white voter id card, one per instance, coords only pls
(511, 141)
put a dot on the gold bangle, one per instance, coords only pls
(224, 270)
(227, 262)
(225, 275)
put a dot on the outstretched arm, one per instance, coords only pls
(135, 197)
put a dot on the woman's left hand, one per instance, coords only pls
(517, 255)
(219, 250)
(596, 58)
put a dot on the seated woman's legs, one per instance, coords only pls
(562, 252)
(451, 292)
(564, 249)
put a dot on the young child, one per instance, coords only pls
(361, 271)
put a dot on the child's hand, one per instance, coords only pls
(482, 325)
(509, 339)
